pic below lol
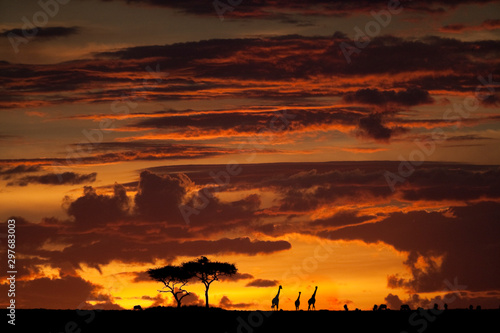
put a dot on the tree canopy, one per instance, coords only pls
(175, 278)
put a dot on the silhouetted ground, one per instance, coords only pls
(217, 320)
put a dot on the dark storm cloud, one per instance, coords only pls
(67, 292)
(297, 174)
(372, 127)
(236, 277)
(146, 150)
(468, 137)
(274, 9)
(94, 209)
(466, 239)
(193, 299)
(392, 55)
(96, 245)
(159, 197)
(492, 100)
(65, 178)
(306, 185)
(44, 33)
(247, 122)
(430, 182)
(226, 303)
(408, 97)
(456, 300)
(350, 182)
(215, 68)
(341, 219)
(102, 228)
(165, 198)
(211, 121)
(109, 152)
(491, 24)
(8, 172)
(142, 276)
(100, 248)
(262, 283)
(210, 220)
(453, 184)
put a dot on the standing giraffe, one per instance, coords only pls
(312, 300)
(276, 300)
(297, 303)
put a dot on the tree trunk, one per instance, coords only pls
(177, 299)
(206, 298)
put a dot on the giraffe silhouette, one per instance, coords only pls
(276, 299)
(312, 300)
(297, 302)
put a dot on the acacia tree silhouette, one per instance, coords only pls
(171, 276)
(208, 271)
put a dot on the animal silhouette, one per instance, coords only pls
(297, 303)
(405, 307)
(137, 307)
(312, 300)
(345, 307)
(382, 307)
(276, 299)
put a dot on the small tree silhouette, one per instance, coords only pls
(208, 271)
(171, 276)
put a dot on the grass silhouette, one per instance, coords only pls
(201, 319)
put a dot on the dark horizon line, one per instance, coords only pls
(190, 307)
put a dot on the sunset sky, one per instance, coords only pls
(349, 145)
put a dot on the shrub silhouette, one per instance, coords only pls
(405, 307)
